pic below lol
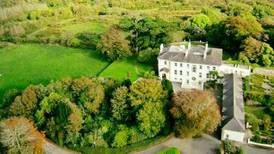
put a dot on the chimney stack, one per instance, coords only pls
(161, 48)
(188, 47)
(205, 52)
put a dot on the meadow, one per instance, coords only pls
(127, 68)
(25, 64)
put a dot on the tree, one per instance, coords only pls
(231, 32)
(20, 136)
(238, 9)
(147, 33)
(148, 55)
(53, 113)
(114, 45)
(148, 99)
(88, 93)
(252, 49)
(120, 139)
(146, 90)
(195, 112)
(256, 52)
(151, 118)
(25, 104)
(200, 20)
(261, 11)
(120, 104)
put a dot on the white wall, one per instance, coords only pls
(237, 69)
(185, 74)
(233, 135)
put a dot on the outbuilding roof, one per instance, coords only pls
(233, 104)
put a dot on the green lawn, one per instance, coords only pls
(26, 64)
(123, 69)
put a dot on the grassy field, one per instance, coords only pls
(22, 65)
(86, 27)
(128, 68)
(26, 64)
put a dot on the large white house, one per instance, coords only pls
(190, 66)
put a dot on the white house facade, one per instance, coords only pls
(190, 66)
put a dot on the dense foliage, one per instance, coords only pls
(94, 111)
(195, 112)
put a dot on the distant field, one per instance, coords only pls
(86, 27)
(26, 64)
(126, 68)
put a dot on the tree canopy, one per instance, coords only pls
(195, 112)
(19, 135)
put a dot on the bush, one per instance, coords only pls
(120, 139)
(172, 150)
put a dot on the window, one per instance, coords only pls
(165, 62)
(208, 67)
(187, 65)
(187, 73)
(194, 68)
(207, 75)
(181, 79)
(193, 78)
(187, 81)
(181, 72)
(175, 72)
(214, 68)
(201, 67)
(200, 82)
(175, 64)
(200, 75)
(175, 78)
(181, 65)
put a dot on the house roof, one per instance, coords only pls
(233, 104)
(194, 54)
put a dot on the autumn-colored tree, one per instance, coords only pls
(25, 104)
(20, 136)
(120, 104)
(255, 51)
(114, 45)
(195, 112)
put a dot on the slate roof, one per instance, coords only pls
(233, 104)
(195, 54)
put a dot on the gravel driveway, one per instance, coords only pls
(203, 145)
